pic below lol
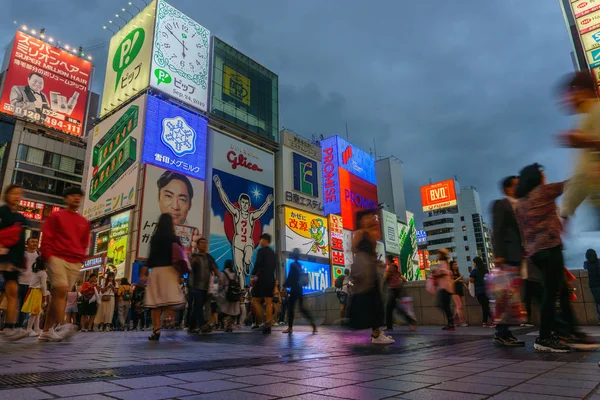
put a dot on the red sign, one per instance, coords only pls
(46, 85)
(438, 195)
(423, 259)
(31, 209)
(241, 161)
(336, 240)
(356, 194)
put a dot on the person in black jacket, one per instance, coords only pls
(508, 246)
(592, 265)
(199, 280)
(294, 282)
(263, 277)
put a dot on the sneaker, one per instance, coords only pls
(381, 339)
(389, 337)
(255, 327)
(508, 341)
(50, 336)
(33, 334)
(581, 341)
(464, 325)
(266, 331)
(83, 330)
(449, 328)
(66, 331)
(551, 345)
(14, 334)
(527, 325)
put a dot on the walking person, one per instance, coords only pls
(66, 238)
(89, 303)
(26, 275)
(295, 280)
(231, 294)
(367, 310)
(342, 285)
(539, 221)
(285, 297)
(445, 287)
(459, 294)
(71, 310)
(137, 307)
(124, 296)
(394, 280)
(508, 247)
(203, 264)
(263, 277)
(12, 259)
(477, 277)
(106, 310)
(276, 302)
(36, 298)
(162, 290)
(592, 265)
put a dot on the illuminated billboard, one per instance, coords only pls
(438, 195)
(319, 277)
(391, 236)
(356, 194)
(129, 58)
(350, 158)
(46, 85)
(306, 232)
(244, 92)
(336, 242)
(175, 139)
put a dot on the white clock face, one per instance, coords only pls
(182, 45)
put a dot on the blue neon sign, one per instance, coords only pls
(319, 276)
(331, 176)
(175, 139)
(356, 161)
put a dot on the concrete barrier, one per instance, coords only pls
(326, 307)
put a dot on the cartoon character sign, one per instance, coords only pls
(307, 232)
(242, 212)
(318, 233)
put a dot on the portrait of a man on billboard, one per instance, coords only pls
(30, 97)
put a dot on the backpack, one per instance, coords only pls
(234, 291)
(339, 282)
(127, 295)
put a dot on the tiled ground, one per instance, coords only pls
(335, 364)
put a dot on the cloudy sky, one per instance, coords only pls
(451, 88)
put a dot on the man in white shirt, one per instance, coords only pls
(31, 254)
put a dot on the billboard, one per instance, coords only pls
(115, 153)
(175, 139)
(180, 57)
(438, 195)
(357, 194)
(128, 64)
(584, 7)
(390, 232)
(408, 249)
(348, 254)
(331, 177)
(319, 277)
(307, 232)
(244, 92)
(241, 202)
(46, 85)
(421, 237)
(336, 242)
(176, 194)
(350, 158)
(117, 243)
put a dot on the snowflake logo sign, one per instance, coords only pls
(178, 136)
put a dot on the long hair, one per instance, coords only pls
(452, 265)
(530, 177)
(591, 256)
(165, 225)
(108, 276)
(228, 265)
(480, 266)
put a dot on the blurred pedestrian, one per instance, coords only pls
(477, 277)
(592, 265)
(26, 275)
(229, 303)
(445, 287)
(106, 309)
(459, 294)
(203, 265)
(263, 277)
(124, 296)
(296, 279)
(36, 298)
(394, 280)
(342, 285)
(89, 302)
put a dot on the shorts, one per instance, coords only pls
(11, 276)
(213, 307)
(72, 309)
(342, 297)
(62, 273)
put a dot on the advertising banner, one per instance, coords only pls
(336, 241)
(175, 139)
(180, 57)
(129, 57)
(46, 85)
(348, 255)
(117, 244)
(390, 232)
(101, 240)
(588, 23)
(357, 194)
(93, 263)
(319, 277)
(408, 252)
(113, 171)
(331, 176)
(172, 193)
(244, 92)
(242, 202)
(307, 232)
(350, 158)
(301, 145)
(421, 237)
(438, 195)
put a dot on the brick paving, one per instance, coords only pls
(334, 364)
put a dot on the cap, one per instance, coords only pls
(72, 190)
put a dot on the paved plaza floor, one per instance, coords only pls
(334, 364)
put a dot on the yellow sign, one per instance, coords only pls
(306, 232)
(236, 85)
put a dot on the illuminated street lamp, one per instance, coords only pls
(110, 22)
(124, 10)
(108, 29)
(134, 6)
(117, 15)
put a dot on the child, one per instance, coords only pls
(36, 297)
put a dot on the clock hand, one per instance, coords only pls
(176, 38)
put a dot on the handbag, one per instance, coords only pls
(106, 297)
(472, 289)
(180, 260)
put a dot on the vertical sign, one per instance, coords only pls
(390, 232)
(336, 241)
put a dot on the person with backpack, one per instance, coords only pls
(342, 286)
(229, 304)
(295, 280)
(137, 305)
(202, 264)
(124, 296)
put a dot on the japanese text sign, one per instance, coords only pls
(46, 85)
(391, 236)
(306, 232)
(336, 240)
(175, 139)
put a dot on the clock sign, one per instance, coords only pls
(180, 57)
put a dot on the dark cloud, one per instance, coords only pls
(451, 88)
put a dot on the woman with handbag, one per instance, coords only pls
(106, 310)
(165, 257)
(295, 280)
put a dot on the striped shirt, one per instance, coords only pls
(538, 217)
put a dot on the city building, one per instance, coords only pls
(390, 187)
(455, 221)
(578, 26)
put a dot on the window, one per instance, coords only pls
(67, 164)
(462, 219)
(468, 258)
(35, 156)
(465, 238)
(466, 248)
(79, 167)
(42, 184)
(22, 152)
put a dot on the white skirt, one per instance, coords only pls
(162, 289)
(106, 310)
